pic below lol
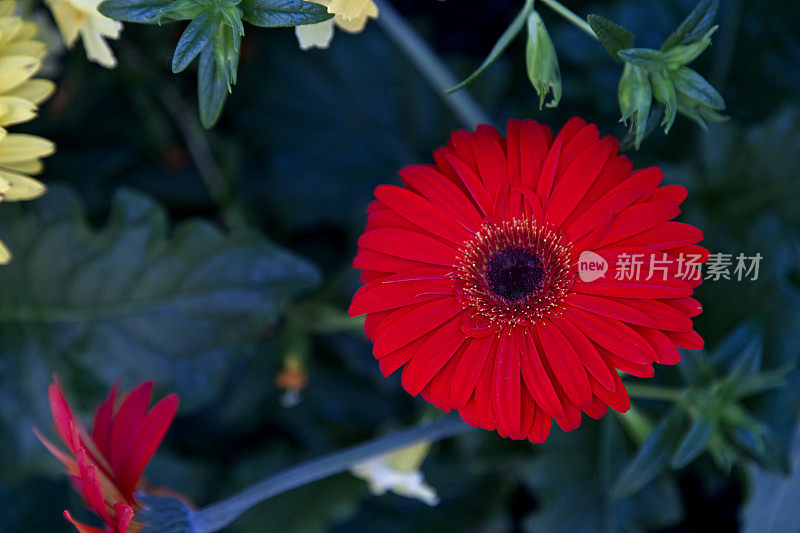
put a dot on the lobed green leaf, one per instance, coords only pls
(131, 301)
(612, 36)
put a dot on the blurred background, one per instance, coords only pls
(207, 260)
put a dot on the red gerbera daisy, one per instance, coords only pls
(105, 466)
(472, 281)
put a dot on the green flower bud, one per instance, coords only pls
(542, 62)
(635, 99)
(684, 54)
(693, 87)
(697, 99)
(664, 92)
(226, 42)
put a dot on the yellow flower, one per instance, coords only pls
(349, 15)
(81, 17)
(398, 472)
(20, 96)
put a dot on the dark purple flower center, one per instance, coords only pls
(513, 273)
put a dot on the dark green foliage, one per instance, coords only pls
(135, 300)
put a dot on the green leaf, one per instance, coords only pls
(195, 38)
(747, 364)
(182, 10)
(652, 457)
(694, 442)
(212, 89)
(511, 32)
(728, 354)
(143, 11)
(575, 470)
(612, 36)
(694, 26)
(283, 13)
(764, 448)
(133, 300)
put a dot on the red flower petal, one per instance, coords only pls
(507, 391)
(587, 351)
(536, 379)
(410, 323)
(408, 245)
(422, 213)
(566, 364)
(101, 429)
(613, 335)
(147, 440)
(469, 369)
(442, 192)
(611, 308)
(577, 179)
(400, 290)
(473, 184)
(432, 356)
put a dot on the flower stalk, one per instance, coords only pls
(218, 515)
(571, 17)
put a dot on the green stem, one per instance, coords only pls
(429, 65)
(218, 515)
(653, 392)
(562, 10)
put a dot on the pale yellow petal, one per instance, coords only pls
(97, 49)
(32, 166)
(105, 26)
(35, 90)
(355, 25)
(15, 70)
(348, 9)
(28, 47)
(7, 7)
(5, 254)
(21, 187)
(9, 28)
(314, 35)
(16, 110)
(409, 459)
(68, 20)
(29, 30)
(370, 10)
(20, 147)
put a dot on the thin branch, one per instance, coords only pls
(435, 72)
